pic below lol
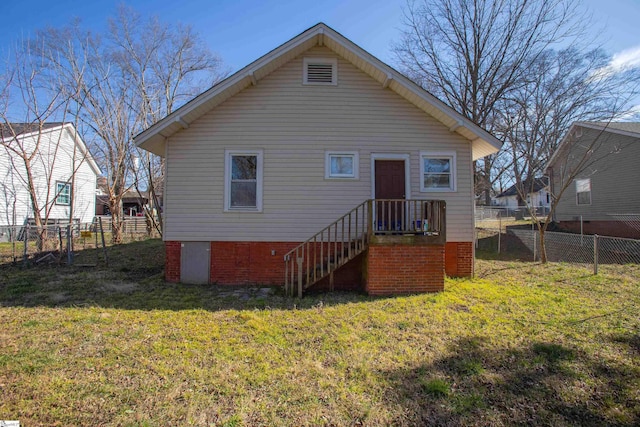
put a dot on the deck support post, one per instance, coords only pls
(299, 259)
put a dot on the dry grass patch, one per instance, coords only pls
(521, 344)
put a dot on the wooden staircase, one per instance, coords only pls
(350, 235)
(328, 250)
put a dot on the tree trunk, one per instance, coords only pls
(487, 181)
(37, 215)
(543, 247)
(116, 220)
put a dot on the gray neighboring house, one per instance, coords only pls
(604, 197)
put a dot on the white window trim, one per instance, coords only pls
(590, 190)
(391, 156)
(334, 70)
(59, 193)
(227, 180)
(327, 165)
(453, 184)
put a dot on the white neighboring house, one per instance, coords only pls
(60, 152)
(539, 197)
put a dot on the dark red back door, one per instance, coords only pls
(390, 179)
(389, 184)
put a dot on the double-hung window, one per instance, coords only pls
(243, 180)
(341, 164)
(438, 171)
(63, 193)
(583, 191)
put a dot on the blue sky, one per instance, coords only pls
(240, 31)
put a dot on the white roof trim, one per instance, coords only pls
(602, 127)
(83, 148)
(607, 128)
(76, 138)
(153, 138)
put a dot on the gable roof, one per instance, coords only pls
(14, 130)
(154, 138)
(8, 130)
(622, 128)
(538, 185)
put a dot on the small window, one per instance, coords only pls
(583, 191)
(63, 193)
(341, 165)
(320, 71)
(438, 171)
(243, 180)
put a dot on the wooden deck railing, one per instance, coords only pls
(349, 236)
(402, 216)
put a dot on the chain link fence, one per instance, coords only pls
(28, 243)
(579, 249)
(490, 226)
(500, 230)
(483, 213)
(56, 243)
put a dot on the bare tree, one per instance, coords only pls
(128, 79)
(35, 155)
(577, 156)
(473, 53)
(565, 86)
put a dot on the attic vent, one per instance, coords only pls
(320, 71)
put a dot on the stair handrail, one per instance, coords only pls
(375, 220)
(359, 217)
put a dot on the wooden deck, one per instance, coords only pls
(378, 221)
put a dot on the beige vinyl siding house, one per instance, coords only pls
(315, 145)
(605, 193)
(60, 154)
(295, 125)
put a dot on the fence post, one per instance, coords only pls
(69, 252)
(535, 245)
(95, 221)
(60, 240)
(26, 244)
(595, 253)
(499, 231)
(104, 246)
(14, 237)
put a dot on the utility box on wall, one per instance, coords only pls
(195, 259)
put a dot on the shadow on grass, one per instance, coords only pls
(539, 384)
(135, 280)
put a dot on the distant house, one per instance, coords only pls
(538, 198)
(62, 195)
(133, 202)
(604, 197)
(317, 165)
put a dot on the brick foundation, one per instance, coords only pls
(603, 228)
(404, 268)
(172, 261)
(458, 259)
(239, 263)
(383, 269)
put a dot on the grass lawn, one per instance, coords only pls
(520, 344)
